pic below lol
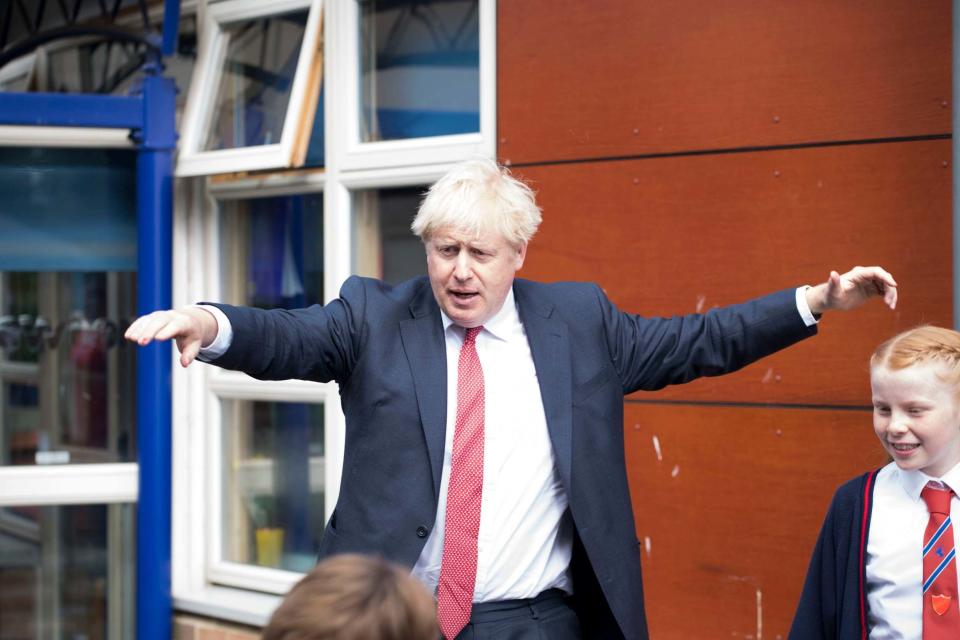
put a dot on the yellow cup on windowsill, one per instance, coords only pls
(269, 546)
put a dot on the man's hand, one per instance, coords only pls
(191, 327)
(852, 289)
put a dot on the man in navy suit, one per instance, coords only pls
(553, 551)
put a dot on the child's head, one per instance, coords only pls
(355, 597)
(915, 378)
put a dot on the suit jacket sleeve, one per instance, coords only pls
(650, 353)
(319, 343)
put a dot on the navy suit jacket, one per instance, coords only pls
(385, 347)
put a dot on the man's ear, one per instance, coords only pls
(521, 255)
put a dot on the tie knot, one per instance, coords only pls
(471, 336)
(937, 499)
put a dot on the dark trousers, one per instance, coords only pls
(549, 616)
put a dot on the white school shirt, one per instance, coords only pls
(526, 537)
(895, 551)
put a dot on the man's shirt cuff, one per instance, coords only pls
(224, 337)
(808, 318)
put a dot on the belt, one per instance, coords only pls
(533, 607)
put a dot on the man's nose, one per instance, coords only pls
(463, 268)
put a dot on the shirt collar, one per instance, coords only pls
(913, 481)
(501, 322)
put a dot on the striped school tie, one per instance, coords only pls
(941, 615)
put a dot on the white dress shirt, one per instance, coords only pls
(525, 542)
(895, 551)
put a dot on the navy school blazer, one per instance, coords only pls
(385, 347)
(833, 605)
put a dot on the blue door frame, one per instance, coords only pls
(149, 114)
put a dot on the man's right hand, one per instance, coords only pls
(191, 327)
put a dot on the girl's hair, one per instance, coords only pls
(921, 345)
(355, 597)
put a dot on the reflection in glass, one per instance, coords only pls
(67, 572)
(273, 251)
(420, 68)
(67, 378)
(258, 70)
(384, 246)
(273, 483)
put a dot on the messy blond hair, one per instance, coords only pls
(478, 197)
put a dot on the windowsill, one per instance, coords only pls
(224, 603)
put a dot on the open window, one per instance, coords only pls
(255, 91)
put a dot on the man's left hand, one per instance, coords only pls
(852, 289)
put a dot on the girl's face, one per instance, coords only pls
(916, 415)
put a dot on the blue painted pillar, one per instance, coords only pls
(156, 141)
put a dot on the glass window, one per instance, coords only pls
(67, 293)
(67, 571)
(256, 80)
(420, 68)
(384, 245)
(67, 378)
(273, 484)
(273, 251)
(253, 98)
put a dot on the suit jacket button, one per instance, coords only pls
(421, 532)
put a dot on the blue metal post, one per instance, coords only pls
(154, 253)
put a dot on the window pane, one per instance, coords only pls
(420, 68)
(67, 572)
(384, 245)
(68, 209)
(67, 379)
(273, 483)
(273, 251)
(258, 71)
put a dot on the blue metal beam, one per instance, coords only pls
(71, 110)
(171, 24)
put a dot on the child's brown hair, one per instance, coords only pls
(355, 597)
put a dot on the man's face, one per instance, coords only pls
(470, 275)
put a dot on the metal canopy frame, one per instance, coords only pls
(149, 115)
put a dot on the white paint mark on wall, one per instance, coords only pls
(759, 614)
(676, 471)
(768, 376)
(701, 300)
(656, 448)
(646, 545)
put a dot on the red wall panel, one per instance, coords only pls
(676, 235)
(731, 509)
(580, 79)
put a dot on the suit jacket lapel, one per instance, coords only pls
(550, 348)
(425, 347)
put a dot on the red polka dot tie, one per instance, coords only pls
(458, 568)
(941, 618)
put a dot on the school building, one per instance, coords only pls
(687, 154)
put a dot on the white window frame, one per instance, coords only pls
(202, 582)
(216, 19)
(411, 151)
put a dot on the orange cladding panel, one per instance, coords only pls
(728, 503)
(584, 79)
(676, 235)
